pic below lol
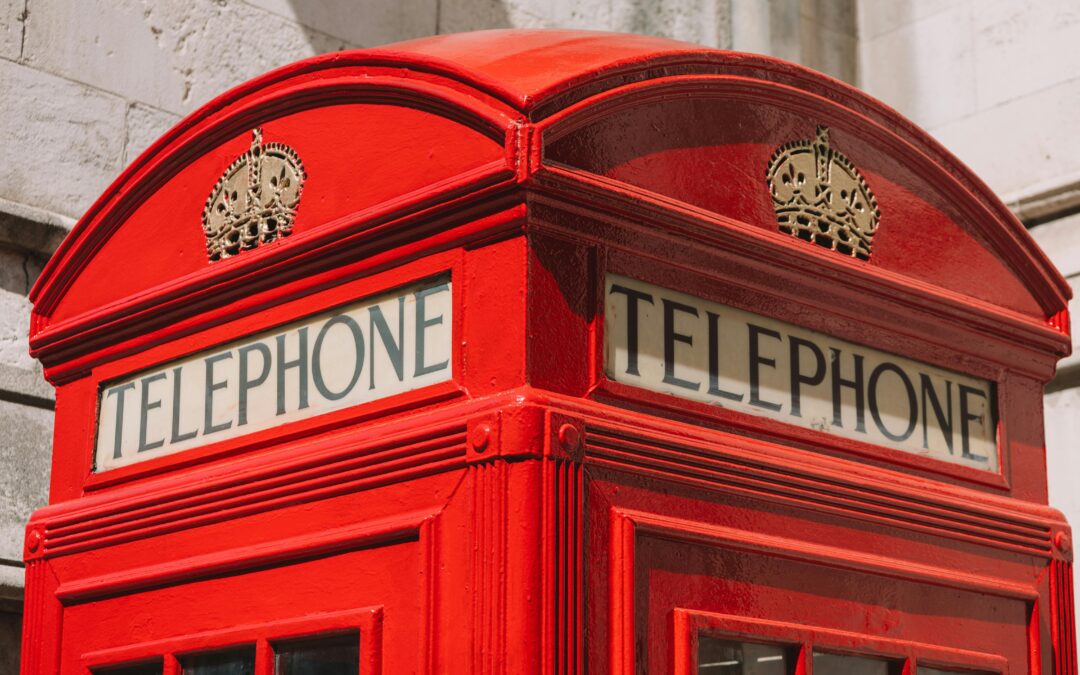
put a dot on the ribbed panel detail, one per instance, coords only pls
(489, 567)
(713, 467)
(564, 508)
(231, 497)
(33, 638)
(1062, 607)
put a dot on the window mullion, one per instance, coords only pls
(170, 665)
(264, 657)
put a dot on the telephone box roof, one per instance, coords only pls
(478, 114)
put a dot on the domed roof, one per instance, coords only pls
(416, 131)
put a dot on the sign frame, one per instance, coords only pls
(296, 308)
(760, 296)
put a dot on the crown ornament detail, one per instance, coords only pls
(820, 196)
(255, 200)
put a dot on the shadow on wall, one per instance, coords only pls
(375, 22)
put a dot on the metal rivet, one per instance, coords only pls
(480, 437)
(33, 541)
(1062, 542)
(569, 437)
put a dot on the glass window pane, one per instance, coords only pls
(844, 664)
(717, 656)
(148, 668)
(337, 655)
(927, 670)
(229, 662)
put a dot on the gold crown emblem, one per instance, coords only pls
(820, 196)
(255, 200)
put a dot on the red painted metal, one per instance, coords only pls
(530, 515)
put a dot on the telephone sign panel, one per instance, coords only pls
(349, 356)
(684, 346)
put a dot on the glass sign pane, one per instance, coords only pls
(229, 662)
(338, 655)
(730, 657)
(844, 664)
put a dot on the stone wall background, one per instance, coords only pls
(86, 85)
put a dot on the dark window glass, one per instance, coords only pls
(730, 657)
(228, 662)
(337, 655)
(148, 668)
(844, 664)
(927, 670)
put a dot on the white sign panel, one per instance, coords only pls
(677, 344)
(375, 348)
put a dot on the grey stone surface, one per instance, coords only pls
(17, 272)
(13, 330)
(819, 34)
(1010, 35)
(837, 16)
(12, 581)
(876, 17)
(1023, 142)
(25, 448)
(144, 125)
(700, 21)
(173, 56)
(32, 230)
(368, 23)
(934, 54)
(11, 28)
(973, 71)
(705, 22)
(65, 139)
(26, 385)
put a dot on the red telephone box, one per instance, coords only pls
(536, 352)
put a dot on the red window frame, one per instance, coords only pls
(691, 624)
(367, 621)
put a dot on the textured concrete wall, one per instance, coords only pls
(973, 70)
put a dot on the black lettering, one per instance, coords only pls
(395, 349)
(316, 358)
(301, 365)
(714, 360)
(632, 298)
(176, 436)
(119, 435)
(247, 383)
(798, 378)
(757, 360)
(211, 386)
(146, 405)
(670, 338)
(422, 324)
(945, 422)
(855, 384)
(967, 416)
(909, 389)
